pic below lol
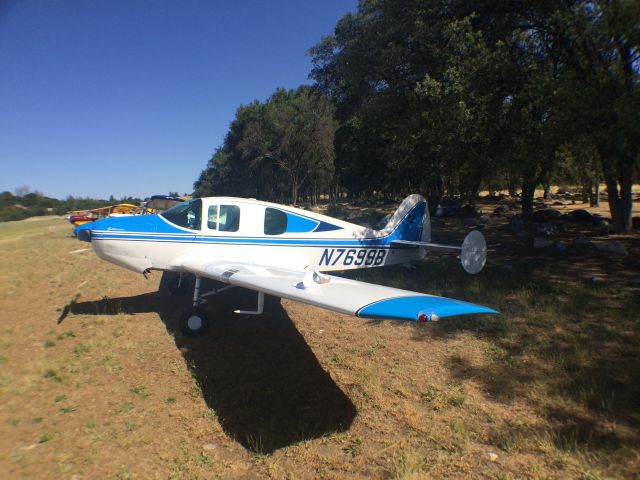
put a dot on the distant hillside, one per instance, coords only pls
(19, 207)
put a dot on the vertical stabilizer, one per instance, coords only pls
(410, 221)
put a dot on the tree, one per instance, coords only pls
(604, 41)
(291, 134)
(441, 95)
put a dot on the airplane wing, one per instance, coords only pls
(334, 293)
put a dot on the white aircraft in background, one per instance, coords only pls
(283, 251)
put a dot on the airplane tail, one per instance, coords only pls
(410, 227)
(410, 221)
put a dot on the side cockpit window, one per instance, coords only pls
(186, 214)
(229, 219)
(224, 218)
(275, 221)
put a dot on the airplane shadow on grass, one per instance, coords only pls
(257, 373)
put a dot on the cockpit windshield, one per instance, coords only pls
(186, 214)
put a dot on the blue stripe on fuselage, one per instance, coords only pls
(153, 228)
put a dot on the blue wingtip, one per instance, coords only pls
(411, 308)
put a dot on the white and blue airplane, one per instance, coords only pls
(283, 251)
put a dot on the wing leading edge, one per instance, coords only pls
(343, 295)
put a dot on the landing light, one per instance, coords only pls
(424, 318)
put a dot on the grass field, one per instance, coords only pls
(548, 389)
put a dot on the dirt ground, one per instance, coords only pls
(96, 381)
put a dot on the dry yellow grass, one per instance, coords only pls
(547, 390)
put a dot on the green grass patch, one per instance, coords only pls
(67, 334)
(457, 396)
(53, 375)
(354, 447)
(81, 349)
(140, 390)
(125, 407)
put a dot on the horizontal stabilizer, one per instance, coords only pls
(473, 252)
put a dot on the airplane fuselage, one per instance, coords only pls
(262, 232)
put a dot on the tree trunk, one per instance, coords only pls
(434, 195)
(475, 188)
(594, 194)
(294, 189)
(587, 193)
(528, 191)
(512, 186)
(620, 202)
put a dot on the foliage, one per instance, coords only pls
(277, 150)
(441, 96)
(30, 204)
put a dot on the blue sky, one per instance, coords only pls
(131, 97)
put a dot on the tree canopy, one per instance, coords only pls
(276, 150)
(448, 97)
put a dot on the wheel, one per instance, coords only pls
(178, 287)
(194, 322)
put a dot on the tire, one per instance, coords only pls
(194, 323)
(176, 287)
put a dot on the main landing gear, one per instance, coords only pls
(194, 321)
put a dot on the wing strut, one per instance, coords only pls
(258, 310)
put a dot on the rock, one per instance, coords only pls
(208, 447)
(598, 280)
(545, 215)
(484, 220)
(501, 210)
(516, 224)
(614, 247)
(448, 207)
(470, 211)
(554, 213)
(443, 211)
(581, 216)
(539, 242)
(450, 202)
(635, 223)
(561, 247)
(582, 241)
(603, 226)
(492, 456)
(470, 222)
(546, 229)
